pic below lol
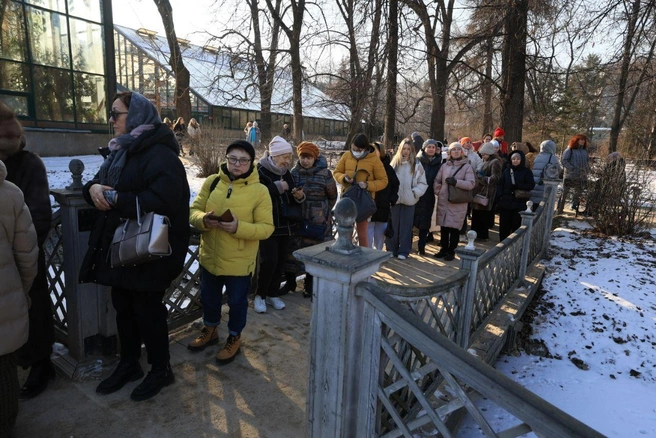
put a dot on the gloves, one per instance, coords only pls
(451, 181)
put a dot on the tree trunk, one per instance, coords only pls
(616, 124)
(182, 100)
(392, 70)
(265, 69)
(486, 88)
(514, 70)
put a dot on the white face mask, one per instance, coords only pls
(357, 155)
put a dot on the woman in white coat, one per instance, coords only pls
(412, 185)
(459, 173)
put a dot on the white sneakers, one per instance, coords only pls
(402, 257)
(275, 302)
(260, 304)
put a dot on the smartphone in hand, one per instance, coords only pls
(225, 217)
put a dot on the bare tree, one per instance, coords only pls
(639, 45)
(392, 70)
(437, 27)
(182, 100)
(513, 69)
(293, 33)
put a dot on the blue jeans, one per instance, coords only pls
(211, 295)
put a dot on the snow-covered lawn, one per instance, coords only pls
(597, 320)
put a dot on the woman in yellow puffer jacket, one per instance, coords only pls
(233, 210)
(361, 156)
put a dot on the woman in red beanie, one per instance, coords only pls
(499, 135)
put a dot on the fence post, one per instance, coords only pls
(90, 317)
(469, 257)
(551, 189)
(527, 221)
(337, 324)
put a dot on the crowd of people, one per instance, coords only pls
(252, 215)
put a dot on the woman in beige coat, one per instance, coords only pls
(457, 172)
(18, 266)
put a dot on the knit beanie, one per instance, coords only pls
(438, 144)
(361, 141)
(499, 133)
(465, 140)
(487, 148)
(454, 145)
(279, 146)
(242, 144)
(308, 148)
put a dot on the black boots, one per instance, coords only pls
(37, 381)
(126, 371)
(158, 377)
(130, 371)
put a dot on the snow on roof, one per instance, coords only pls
(226, 80)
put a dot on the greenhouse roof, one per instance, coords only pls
(226, 80)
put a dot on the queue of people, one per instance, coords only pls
(251, 215)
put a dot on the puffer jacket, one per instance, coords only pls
(426, 204)
(155, 174)
(486, 184)
(506, 189)
(18, 265)
(222, 253)
(375, 174)
(576, 163)
(320, 191)
(546, 156)
(411, 185)
(280, 201)
(448, 214)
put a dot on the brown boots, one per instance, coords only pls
(229, 351)
(208, 336)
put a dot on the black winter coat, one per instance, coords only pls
(154, 173)
(281, 202)
(26, 170)
(389, 195)
(426, 205)
(505, 188)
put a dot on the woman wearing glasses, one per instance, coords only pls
(233, 212)
(143, 163)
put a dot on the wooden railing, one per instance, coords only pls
(421, 377)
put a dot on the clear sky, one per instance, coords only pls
(190, 21)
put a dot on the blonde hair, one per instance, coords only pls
(397, 159)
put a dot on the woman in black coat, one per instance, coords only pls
(385, 199)
(430, 158)
(515, 177)
(144, 164)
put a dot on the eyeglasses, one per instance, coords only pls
(235, 160)
(114, 114)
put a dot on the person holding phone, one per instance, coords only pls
(234, 214)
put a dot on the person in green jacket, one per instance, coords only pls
(233, 211)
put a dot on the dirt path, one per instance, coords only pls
(261, 394)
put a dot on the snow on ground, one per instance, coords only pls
(59, 176)
(597, 320)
